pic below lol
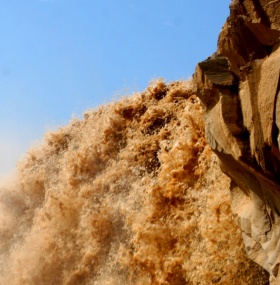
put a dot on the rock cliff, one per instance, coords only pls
(239, 87)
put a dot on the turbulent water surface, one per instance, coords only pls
(131, 194)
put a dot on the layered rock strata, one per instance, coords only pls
(239, 87)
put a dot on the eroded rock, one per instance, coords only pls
(239, 87)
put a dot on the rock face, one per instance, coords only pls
(239, 87)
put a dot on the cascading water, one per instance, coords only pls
(131, 194)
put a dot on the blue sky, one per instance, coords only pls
(61, 57)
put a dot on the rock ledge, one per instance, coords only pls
(239, 87)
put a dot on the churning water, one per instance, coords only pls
(131, 194)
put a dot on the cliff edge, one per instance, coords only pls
(239, 87)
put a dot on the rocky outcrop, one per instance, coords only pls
(239, 87)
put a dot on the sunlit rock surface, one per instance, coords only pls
(239, 88)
